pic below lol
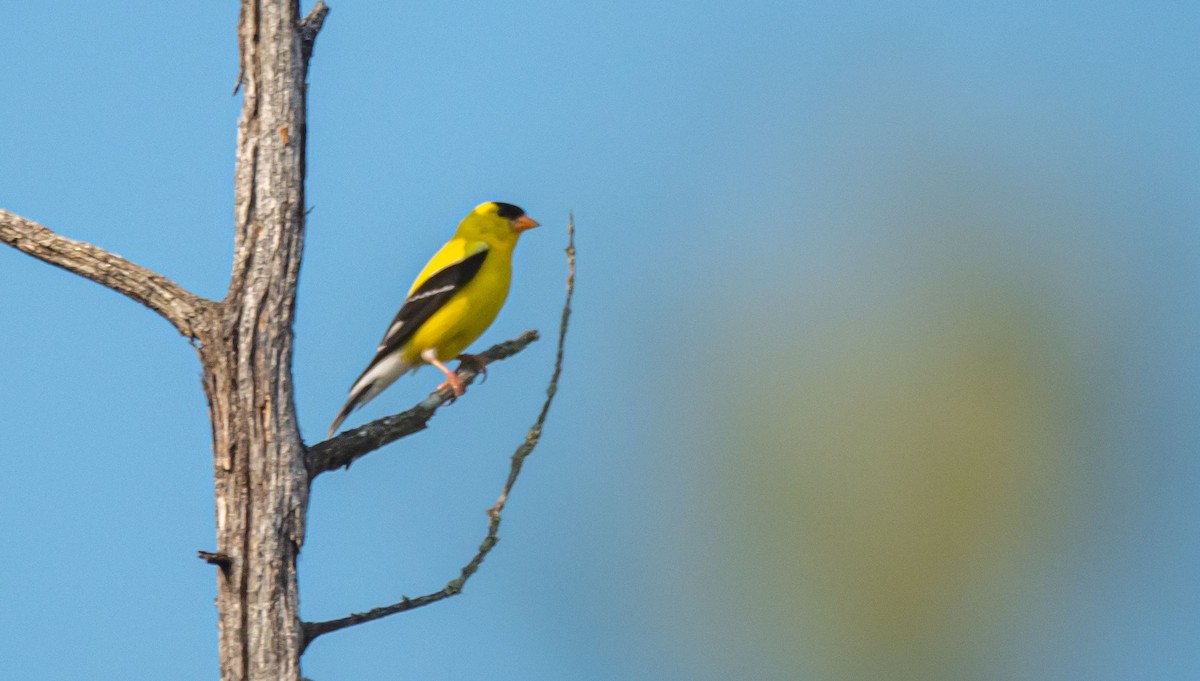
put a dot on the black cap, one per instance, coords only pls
(508, 211)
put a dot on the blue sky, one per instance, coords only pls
(858, 199)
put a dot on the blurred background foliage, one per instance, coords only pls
(914, 425)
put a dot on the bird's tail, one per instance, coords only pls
(378, 376)
(351, 404)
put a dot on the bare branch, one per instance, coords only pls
(221, 560)
(455, 586)
(352, 445)
(183, 309)
(311, 26)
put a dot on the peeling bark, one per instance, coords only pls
(261, 483)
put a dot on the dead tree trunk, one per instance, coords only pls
(246, 349)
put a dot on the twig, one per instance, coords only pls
(455, 586)
(348, 447)
(311, 26)
(185, 310)
(221, 560)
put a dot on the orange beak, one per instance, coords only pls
(523, 223)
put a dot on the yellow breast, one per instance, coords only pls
(465, 317)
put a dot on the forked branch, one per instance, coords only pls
(455, 586)
(348, 447)
(180, 307)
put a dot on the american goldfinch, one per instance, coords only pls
(452, 302)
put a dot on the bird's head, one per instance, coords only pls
(496, 222)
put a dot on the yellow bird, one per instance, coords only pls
(452, 302)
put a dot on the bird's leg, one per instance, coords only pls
(452, 378)
(474, 363)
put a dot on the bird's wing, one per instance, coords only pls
(426, 299)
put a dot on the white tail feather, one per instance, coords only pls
(373, 381)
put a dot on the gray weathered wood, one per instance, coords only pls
(182, 308)
(261, 483)
(346, 448)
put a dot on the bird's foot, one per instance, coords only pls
(456, 386)
(474, 363)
